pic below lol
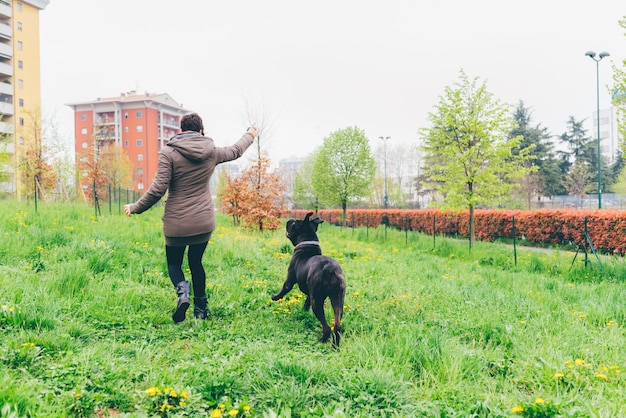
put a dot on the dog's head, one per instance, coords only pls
(302, 230)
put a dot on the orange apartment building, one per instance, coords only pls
(138, 123)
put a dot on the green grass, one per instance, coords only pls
(434, 331)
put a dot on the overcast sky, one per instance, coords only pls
(318, 66)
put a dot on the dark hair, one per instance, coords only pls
(191, 122)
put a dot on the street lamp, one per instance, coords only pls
(384, 139)
(592, 55)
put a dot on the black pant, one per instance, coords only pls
(194, 257)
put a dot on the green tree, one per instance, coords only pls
(469, 156)
(303, 192)
(344, 168)
(579, 180)
(579, 146)
(619, 92)
(544, 177)
(5, 157)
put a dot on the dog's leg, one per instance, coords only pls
(287, 286)
(307, 304)
(337, 302)
(317, 305)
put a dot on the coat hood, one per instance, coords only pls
(192, 145)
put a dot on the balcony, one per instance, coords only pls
(6, 109)
(6, 128)
(6, 51)
(6, 89)
(6, 69)
(5, 31)
(5, 9)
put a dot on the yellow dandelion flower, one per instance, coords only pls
(559, 375)
(602, 376)
(246, 408)
(540, 401)
(182, 403)
(233, 412)
(184, 394)
(579, 362)
(217, 413)
(221, 406)
(517, 409)
(153, 391)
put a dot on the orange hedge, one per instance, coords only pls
(606, 228)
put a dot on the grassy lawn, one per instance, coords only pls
(430, 329)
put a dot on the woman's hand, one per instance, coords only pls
(253, 131)
(127, 210)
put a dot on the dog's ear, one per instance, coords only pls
(315, 222)
(308, 215)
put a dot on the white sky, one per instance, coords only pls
(319, 66)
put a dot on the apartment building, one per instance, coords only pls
(20, 81)
(140, 124)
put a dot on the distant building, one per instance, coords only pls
(287, 169)
(609, 134)
(141, 124)
(20, 80)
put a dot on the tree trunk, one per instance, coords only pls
(344, 206)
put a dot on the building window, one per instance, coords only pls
(21, 140)
(138, 114)
(19, 26)
(20, 83)
(139, 186)
(126, 129)
(83, 131)
(21, 121)
(84, 145)
(126, 144)
(140, 171)
(83, 116)
(19, 7)
(139, 128)
(21, 102)
(20, 45)
(20, 64)
(140, 142)
(139, 157)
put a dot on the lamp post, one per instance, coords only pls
(384, 139)
(592, 55)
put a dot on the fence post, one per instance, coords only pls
(406, 230)
(434, 230)
(35, 191)
(514, 241)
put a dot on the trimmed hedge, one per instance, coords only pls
(606, 228)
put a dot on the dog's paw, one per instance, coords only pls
(276, 297)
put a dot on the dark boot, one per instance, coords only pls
(182, 289)
(199, 308)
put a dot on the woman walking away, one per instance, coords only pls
(185, 167)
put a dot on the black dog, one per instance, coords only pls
(318, 277)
